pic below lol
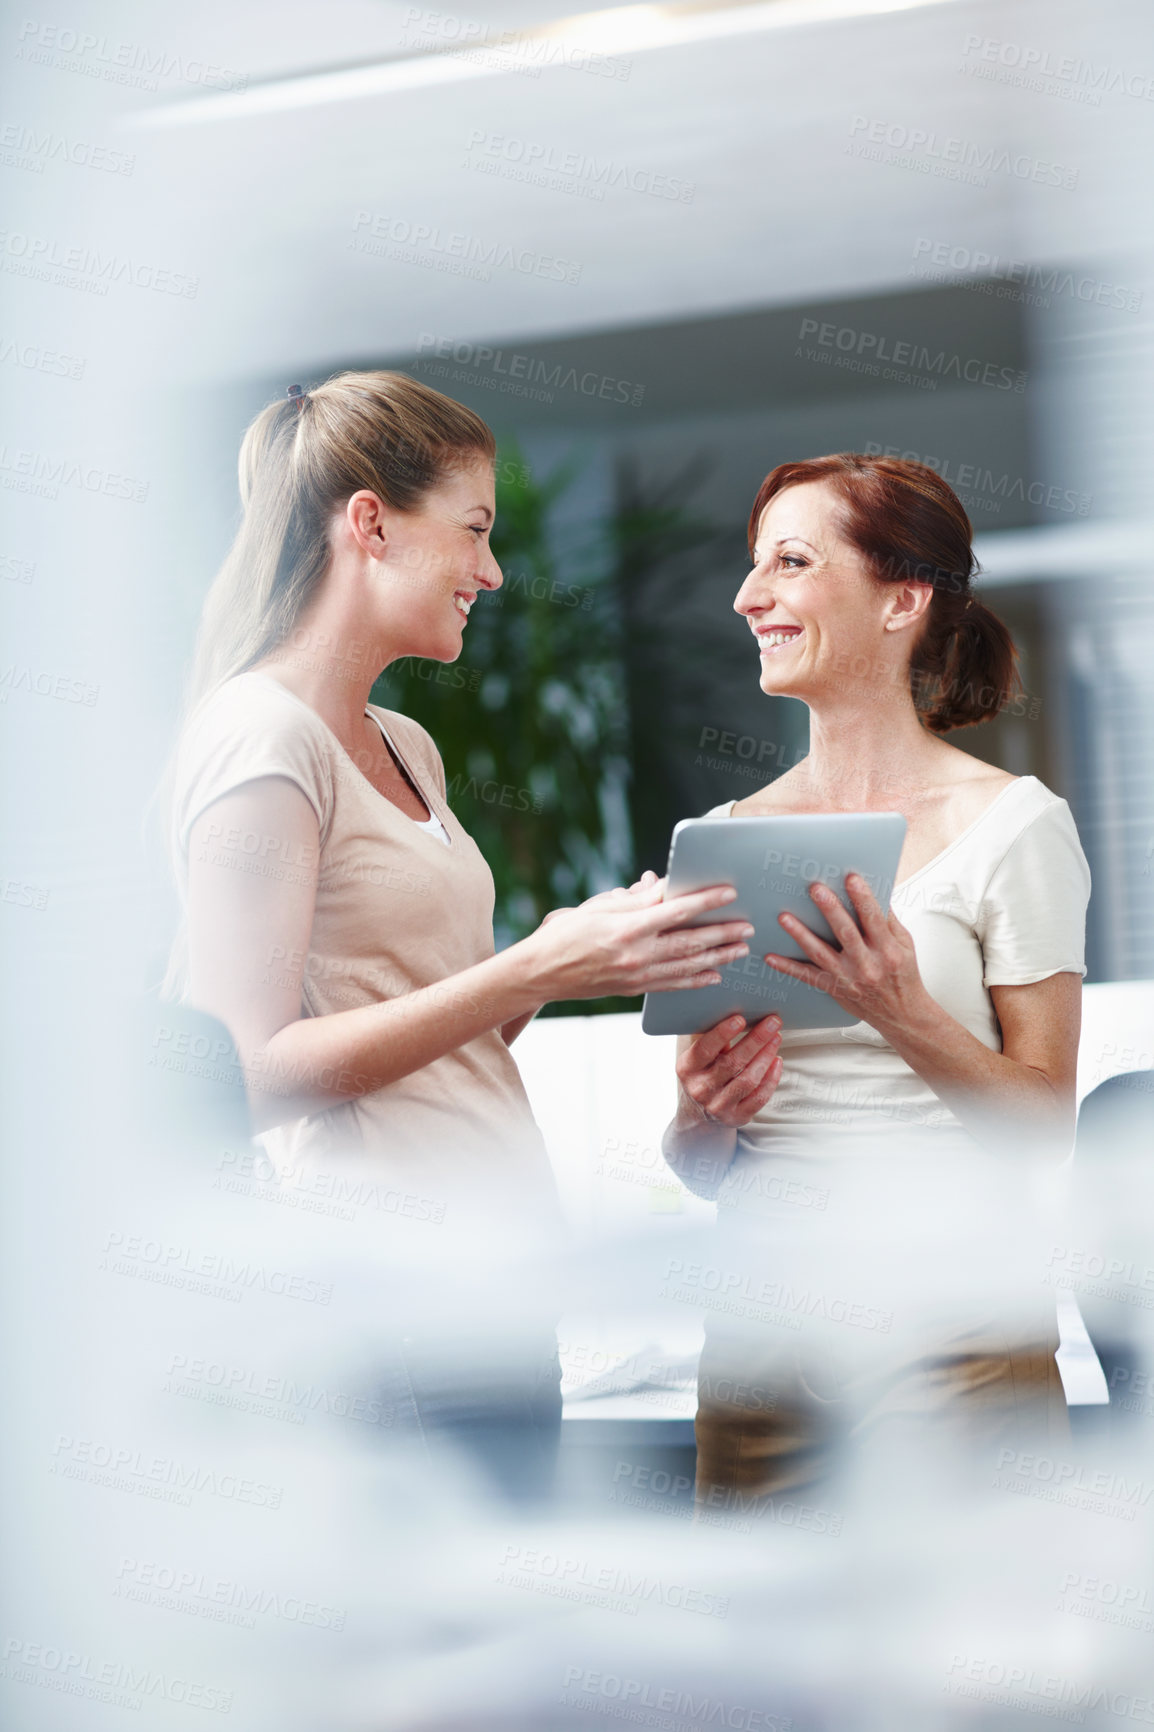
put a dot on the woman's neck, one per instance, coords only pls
(877, 756)
(331, 661)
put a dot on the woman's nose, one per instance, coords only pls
(489, 573)
(754, 592)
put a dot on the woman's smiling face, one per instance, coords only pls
(811, 601)
(428, 564)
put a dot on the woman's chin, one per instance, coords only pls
(775, 682)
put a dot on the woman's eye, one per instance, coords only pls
(793, 559)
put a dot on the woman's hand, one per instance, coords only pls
(624, 942)
(729, 1076)
(875, 976)
(645, 882)
(726, 1077)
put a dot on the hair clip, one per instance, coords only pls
(296, 395)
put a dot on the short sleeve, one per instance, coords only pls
(1032, 917)
(240, 734)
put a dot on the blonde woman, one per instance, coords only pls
(338, 915)
(968, 992)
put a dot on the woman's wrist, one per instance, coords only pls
(693, 1122)
(699, 1149)
(536, 982)
(519, 987)
(921, 1023)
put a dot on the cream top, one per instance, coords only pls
(1003, 905)
(397, 908)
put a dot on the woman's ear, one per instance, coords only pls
(906, 605)
(365, 519)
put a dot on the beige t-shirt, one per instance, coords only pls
(396, 910)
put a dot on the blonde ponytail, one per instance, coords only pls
(300, 459)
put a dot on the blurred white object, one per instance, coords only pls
(603, 1093)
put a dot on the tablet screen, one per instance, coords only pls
(771, 862)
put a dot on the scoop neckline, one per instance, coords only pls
(418, 824)
(434, 818)
(958, 840)
(968, 831)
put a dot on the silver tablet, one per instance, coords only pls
(771, 862)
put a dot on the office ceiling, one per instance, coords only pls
(352, 227)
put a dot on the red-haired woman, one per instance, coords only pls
(968, 991)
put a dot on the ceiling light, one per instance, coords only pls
(567, 42)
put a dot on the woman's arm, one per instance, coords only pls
(726, 1076)
(510, 1030)
(647, 880)
(249, 939)
(1022, 1096)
